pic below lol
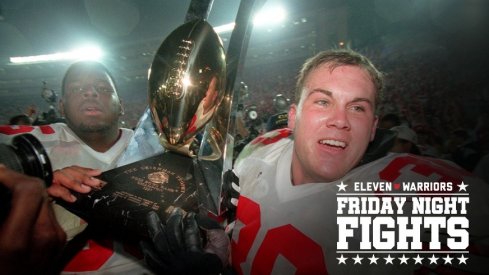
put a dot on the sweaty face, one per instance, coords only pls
(90, 102)
(333, 124)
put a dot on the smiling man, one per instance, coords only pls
(334, 120)
(292, 180)
(330, 127)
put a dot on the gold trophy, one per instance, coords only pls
(186, 84)
(187, 90)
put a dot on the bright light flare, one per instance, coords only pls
(186, 81)
(266, 16)
(270, 16)
(89, 52)
(224, 28)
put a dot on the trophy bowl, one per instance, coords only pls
(186, 84)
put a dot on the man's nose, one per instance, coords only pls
(90, 90)
(338, 118)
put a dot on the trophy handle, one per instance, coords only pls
(214, 140)
(144, 143)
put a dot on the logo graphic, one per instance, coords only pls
(158, 177)
(402, 223)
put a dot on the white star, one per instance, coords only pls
(357, 259)
(373, 259)
(342, 186)
(462, 259)
(462, 186)
(448, 259)
(389, 259)
(342, 260)
(418, 260)
(433, 259)
(403, 259)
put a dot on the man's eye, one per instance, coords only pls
(358, 108)
(77, 90)
(321, 102)
(105, 89)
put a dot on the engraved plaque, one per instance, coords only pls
(158, 183)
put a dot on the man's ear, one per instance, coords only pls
(374, 128)
(291, 116)
(121, 113)
(61, 107)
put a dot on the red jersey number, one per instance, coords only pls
(308, 257)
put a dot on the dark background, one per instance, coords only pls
(434, 52)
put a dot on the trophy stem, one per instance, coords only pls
(220, 159)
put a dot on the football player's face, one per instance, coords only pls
(90, 101)
(333, 123)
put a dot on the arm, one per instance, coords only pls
(30, 237)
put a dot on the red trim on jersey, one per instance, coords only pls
(91, 258)
(23, 129)
(272, 137)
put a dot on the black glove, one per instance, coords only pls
(230, 195)
(177, 247)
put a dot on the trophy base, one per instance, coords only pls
(158, 183)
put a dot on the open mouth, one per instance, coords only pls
(91, 106)
(333, 143)
(91, 110)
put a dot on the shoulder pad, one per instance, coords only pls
(264, 140)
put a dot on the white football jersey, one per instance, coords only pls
(64, 149)
(283, 228)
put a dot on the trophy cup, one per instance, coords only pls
(186, 89)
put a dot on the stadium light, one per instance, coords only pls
(269, 16)
(89, 52)
(266, 16)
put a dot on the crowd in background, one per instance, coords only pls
(427, 91)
